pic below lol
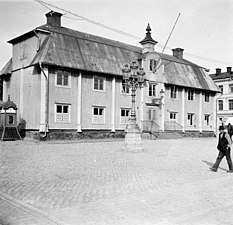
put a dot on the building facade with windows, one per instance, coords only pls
(224, 80)
(63, 79)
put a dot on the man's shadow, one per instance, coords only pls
(211, 164)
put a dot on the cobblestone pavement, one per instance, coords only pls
(72, 183)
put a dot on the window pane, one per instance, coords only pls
(101, 119)
(149, 114)
(151, 65)
(101, 87)
(230, 104)
(10, 119)
(59, 109)
(154, 114)
(220, 105)
(59, 117)
(101, 111)
(59, 80)
(122, 112)
(96, 82)
(95, 119)
(65, 117)
(66, 80)
(96, 111)
(65, 109)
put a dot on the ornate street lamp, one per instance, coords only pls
(134, 79)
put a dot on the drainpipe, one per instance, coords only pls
(46, 101)
(217, 112)
(38, 41)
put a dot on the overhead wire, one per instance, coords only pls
(46, 5)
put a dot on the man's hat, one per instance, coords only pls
(221, 127)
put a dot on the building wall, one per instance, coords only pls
(190, 107)
(62, 95)
(29, 108)
(123, 101)
(23, 52)
(225, 115)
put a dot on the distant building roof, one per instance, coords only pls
(222, 75)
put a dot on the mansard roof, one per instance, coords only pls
(73, 49)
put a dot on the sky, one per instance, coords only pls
(203, 28)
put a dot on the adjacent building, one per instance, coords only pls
(224, 80)
(66, 80)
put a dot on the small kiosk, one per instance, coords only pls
(8, 121)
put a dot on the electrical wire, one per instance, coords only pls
(46, 5)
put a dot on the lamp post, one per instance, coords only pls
(134, 79)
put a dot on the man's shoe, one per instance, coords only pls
(213, 169)
(229, 171)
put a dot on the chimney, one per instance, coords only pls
(229, 69)
(218, 71)
(53, 18)
(148, 42)
(178, 53)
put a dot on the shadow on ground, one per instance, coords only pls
(211, 164)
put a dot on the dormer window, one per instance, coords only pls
(207, 97)
(23, 51)
(63, 78)
(99, 83)
(191, 95)
(152, 65)
(173, 92)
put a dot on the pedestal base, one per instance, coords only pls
(133, 140)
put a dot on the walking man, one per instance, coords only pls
(224, 147)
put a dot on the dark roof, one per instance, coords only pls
(220, 76)
(7, 68)
(9, 104)
(74, 49)
(187, 75)
(148, 38)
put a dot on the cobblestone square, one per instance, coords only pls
(96, 183)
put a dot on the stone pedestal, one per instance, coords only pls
(133, 140)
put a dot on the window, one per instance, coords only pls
(173, 115)
(124, 116)
(98, 115)
(152, 90)
(10, 119)
(230, 104)
(220, 104)
(62, 113)
(23, 50)
(125, 88)
(207, 97)
(99, 83)
(63, 78)
(152, 65)
(221, 88)
(207, 119)
(190, 119)
(152, 114)
(190, 95)
(173, 92)
(231, 88)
